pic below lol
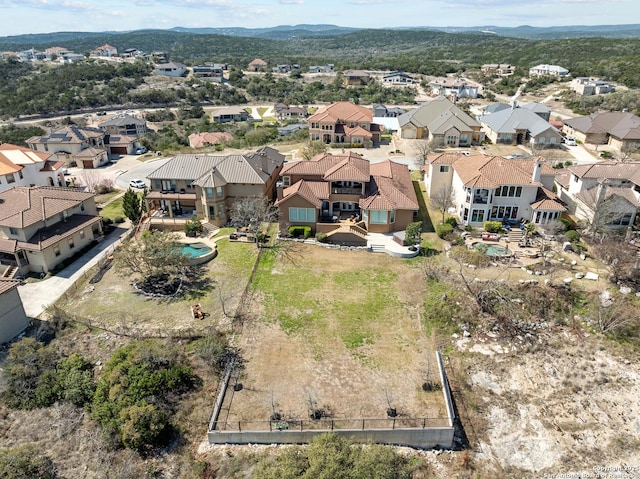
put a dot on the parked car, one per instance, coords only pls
(141, 151)
(137, 184)
(570, 141)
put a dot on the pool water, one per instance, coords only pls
(490, 249)
(195, 250)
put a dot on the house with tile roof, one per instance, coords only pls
(257, 65)
(345, 196)
(20, 166)
(13, 319)
(207, 186)
(441, 121)
(42, 226)
(521, 125)
(201, 140)
(104, 51)
(620, 130)
(345, 123)
(605, 188)
(67, 144)
(493, 188)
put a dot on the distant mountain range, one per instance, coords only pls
(287, 32)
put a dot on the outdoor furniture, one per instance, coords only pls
(490, 237)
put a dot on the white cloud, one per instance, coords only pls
(292, 2)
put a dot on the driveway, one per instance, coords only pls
(137, 171)
(36, 297)
(581, 155)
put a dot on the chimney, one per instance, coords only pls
(279, 189)
(601, 191)
(537, 171)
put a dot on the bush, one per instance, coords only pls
(106, 221)
(493, 226)
(118, 219)
(25, 462)
(321, 237)
(297, 231)
(444, 230)
(193, 227)
(451, 220)
(572, 236)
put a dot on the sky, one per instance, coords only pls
(44, 16)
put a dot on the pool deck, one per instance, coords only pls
(518, 255)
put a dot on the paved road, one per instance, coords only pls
(138, 171)
(36, 297)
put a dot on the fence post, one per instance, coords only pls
(332, 424)
(363, 424)
(301, 425)
(239, 426)
(394, 423)
(270, 426)
(424, 422)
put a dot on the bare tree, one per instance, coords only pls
(90, 179)
(312, 149)
(616, 316)
(606, 213)
(153, 253)
(442, 199)
(422, 149)
(253, 213)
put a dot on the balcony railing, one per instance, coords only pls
(343, 190)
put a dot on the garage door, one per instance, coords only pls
(118, 150)
(87, 164)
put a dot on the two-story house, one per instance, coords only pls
(620, 130)
(21, 166)
(454, 88)
(498, 69)
(494, 188)
(42, 226)
(544, 69)
(105, 51)
(125, 125)
(439, 120)
(356, 78)
(604, 192)
(346, 196)
(207, 186)
(344, 122)
(84, 147)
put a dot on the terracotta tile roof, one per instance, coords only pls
(354, 168)
(324, 163)
(7, 285)
(548, 201)
(342, 111)
(52, 165)
(57, 232)
(258, 62)
(24, 206)
(20, 155)
(312, 191)
(198, 140)
(390, 188)
(89, 153)
(357, 131)
(563, 177)
(493, 171)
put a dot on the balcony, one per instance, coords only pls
(343, 190)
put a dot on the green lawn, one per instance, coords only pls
(113, 210)
(423, 214)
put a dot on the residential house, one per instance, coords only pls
(381, 111)
(328, 68)
(440, 121)
(289, 129)
(13, 319)
(605, 192)
(620, 130)
(125, 125)
(345, 196)
(208, 186)
(171, 69)
(498, 69)
(42, 226)
(398, 78)
(520, 125)
(257, 65)
(544, 69)
(67, 143)
(540, 109)
(104, 51)
(31, 55)
(495, 188)
(285, 68)
(121, 144)
(201, 140)
(210, 71)
(21, 166)
(286, 112)
(344, 122)
(229, 114)
(70, 57)
(453, 88)
(356, 78)
(586, 86)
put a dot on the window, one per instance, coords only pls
(219, 191)
(477, 216)
(81, 234)
(189, 184)
(365, 216)
(315, 136)
(286, 181)
(444, 168)
(306, 215)
(158, 184)
(13, 231)
(81, 206)
(71, 243)
(392, 219)
(452, 140)
(465, 215)
(20, 175)
(378, 217)
(212, 211)
(209, 192)
(10, 178)
(56, 250)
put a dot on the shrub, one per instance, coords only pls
(572, 236)
(297, 231)
(25, 462)
(493, 226)
(444, 230)
(451, 220)
(413, 233)
(106, 221)
(118, 219)
(321, 237)
(193, 227)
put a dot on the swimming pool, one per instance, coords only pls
(490, 249)
(197, 252)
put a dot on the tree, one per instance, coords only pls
(422, 150)
(253, 213)
(154, 253)
(25, 462)
(133, 206)
(413, 233)
(442, 199)
(313, 148)
(193, 227)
